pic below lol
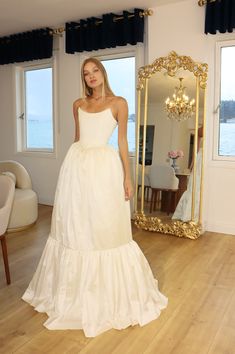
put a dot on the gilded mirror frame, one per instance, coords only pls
(170, 65)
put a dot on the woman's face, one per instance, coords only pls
(92, 75)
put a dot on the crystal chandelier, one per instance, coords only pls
(179, 107)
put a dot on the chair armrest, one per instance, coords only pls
(23, 180)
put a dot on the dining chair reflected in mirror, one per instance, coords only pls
(147, 187)
(163, 179)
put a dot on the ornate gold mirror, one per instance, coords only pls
(170, 142)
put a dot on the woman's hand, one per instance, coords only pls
(128, 188)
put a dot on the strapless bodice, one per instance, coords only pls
(96, 128)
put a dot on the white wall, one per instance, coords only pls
(180, 27)
(176, 27)
(168, 135)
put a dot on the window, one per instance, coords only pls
(121, 65)
(121, 74)
(225, 102)
(35, 123)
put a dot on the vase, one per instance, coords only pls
(174, 164)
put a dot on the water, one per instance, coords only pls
(226, 146)
(40, 135)
(227, 139)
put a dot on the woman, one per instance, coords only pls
(92, 275)
(183, 209)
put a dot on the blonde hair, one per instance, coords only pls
(88, 91)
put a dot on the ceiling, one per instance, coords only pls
(24, 15)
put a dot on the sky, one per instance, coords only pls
(39, 92)
(228, 73)
(121, 75)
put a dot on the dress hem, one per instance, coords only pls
(94, 291)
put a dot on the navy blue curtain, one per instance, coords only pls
(220, 16)
(25, 46)
(108, 32)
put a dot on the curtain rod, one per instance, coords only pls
(204, 2)
(147, 12)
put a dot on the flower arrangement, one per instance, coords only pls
(174, 154)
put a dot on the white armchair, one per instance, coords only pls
(7, 190)
(25, 205)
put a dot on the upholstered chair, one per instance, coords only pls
(25, 204)
(7, 191)
(147, 187)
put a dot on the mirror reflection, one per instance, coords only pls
(172, 108)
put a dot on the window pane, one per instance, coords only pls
(227, 103)
(121, 74)
(39, 111)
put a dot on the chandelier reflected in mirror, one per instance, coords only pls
(180, 107)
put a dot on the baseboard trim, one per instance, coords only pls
(223, 228)
(46, 201)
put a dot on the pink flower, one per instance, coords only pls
(174, 154)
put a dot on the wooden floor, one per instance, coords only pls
(197, 276)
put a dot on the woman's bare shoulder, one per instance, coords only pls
(120, 102)
(77, 103)
(119, 107)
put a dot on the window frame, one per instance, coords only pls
(20, 108)
(217, 102)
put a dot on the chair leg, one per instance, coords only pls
(169, 202)
(159, 200)
(174, 201)
(5, 258)
(152, 200)
(155, 200)
(148, 190)
(145, 191)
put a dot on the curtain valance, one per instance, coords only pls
(26, 46)
(109, 32)
(86, 35)
(220, 16)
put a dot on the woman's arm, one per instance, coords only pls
(122, 117)
(75, 114)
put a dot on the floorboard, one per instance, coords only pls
(197, 276)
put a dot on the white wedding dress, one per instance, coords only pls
(92, 275)
(183, 209)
